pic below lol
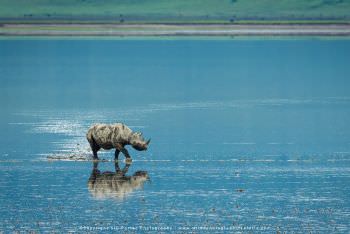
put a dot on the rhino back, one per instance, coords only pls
(102, 134)
(107, 136)
(121, 133)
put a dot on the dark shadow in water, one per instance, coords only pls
(115, 185)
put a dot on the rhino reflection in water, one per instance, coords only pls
(117, 185)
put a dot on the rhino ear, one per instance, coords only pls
(149, 140)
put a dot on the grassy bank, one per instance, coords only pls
(179, 11)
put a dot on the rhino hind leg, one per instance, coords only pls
(94, 147)
(94, 152)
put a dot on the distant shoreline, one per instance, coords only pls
(164, 30)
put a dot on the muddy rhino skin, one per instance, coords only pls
(114, 136)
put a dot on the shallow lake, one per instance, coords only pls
(247, 135)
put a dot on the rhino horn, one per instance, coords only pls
(149, 140)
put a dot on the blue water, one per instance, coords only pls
(246, 135)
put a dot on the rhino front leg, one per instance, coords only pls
(116, 154)
(126, 153)
(128, 159)
(94, 152)
(122, 149)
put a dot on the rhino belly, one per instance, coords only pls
(104, 143)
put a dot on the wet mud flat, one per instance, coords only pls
(178, 194)
(261, 184)
(267, 151)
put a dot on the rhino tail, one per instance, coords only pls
(89, 136)
(94, 146)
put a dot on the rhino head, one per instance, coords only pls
(138, 142)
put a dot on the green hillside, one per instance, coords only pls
(176, 10)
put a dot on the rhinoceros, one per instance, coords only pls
(115, 185)
(117, 136)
